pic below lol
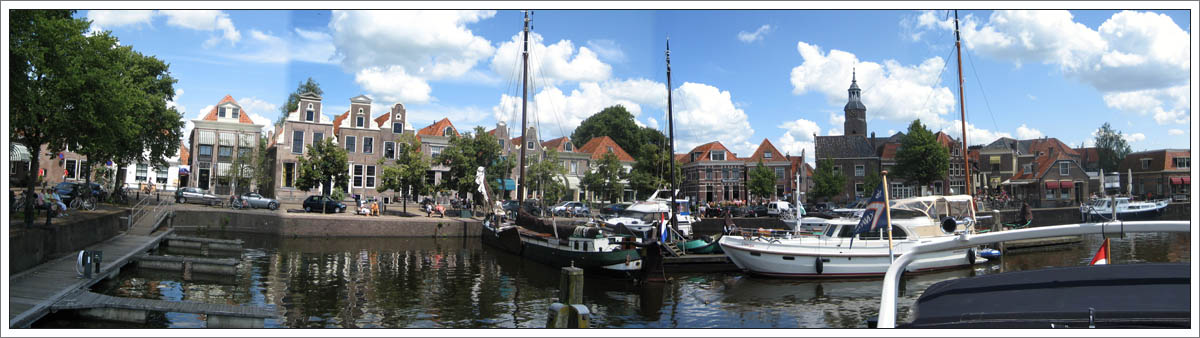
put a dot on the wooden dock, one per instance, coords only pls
(204, 244)
(33, 292)
(135, 309)
(1040, 243)
(699, 263)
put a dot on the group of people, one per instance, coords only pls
(368, 207)
(48, 199)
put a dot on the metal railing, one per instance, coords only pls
(887, 301)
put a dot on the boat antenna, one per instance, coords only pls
(671, 137)
(962, 107)
(524, 104)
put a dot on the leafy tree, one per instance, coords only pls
(651, 170)
(921, 159)
(103, 100)
(605, 179)
(762, 181)
(464, 155)
(871, 181)
(407, 173)
(242, 171)
(263, 165)
(323, 163)
(618, 124)
(826, 183)
(500, 170)
(547, 176)
(293, 100)
(1110, 147)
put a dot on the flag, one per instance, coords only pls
(874, 216)
(662, 228)
(1101, 257)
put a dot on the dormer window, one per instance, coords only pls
(716, 155)
(221, 112)
(767, 154)
(448, 131)
(610, 149)
(567, 146)
(235, 113)
(309, 113)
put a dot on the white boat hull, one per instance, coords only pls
(867, 259)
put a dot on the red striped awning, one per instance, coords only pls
(1177, 180)
(1066, 184)
(1052, 185)
(1187, 180)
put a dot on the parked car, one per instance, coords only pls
(756, 210)
(774, 208)
(67, 190)
(318, 203)
(614, 209)
(195, 195)
(572, 208)
(254, 200)
(509, 206)
(534, 207)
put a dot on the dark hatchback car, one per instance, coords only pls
(67, 190)
(756, 210)
(317, 203)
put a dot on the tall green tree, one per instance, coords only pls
(71, 89)
(762, 181)
(406, 174)
(548, 177)
(242, 172)
(651, 171)
(323, 165)
(1110, 147)
(263, 166)
(871, 181)
(499, 171)
(605, 179)
(464, 155)
(620, 125)
(293, 100)
(826, 183)
(921, 159)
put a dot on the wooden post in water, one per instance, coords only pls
(569, 311)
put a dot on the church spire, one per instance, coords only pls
(856, 112)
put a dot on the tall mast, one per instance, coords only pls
(962, 108)
(671, 131)
(524, 103)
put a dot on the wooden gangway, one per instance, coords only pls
(33, 292)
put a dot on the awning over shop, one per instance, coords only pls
(572, 182)
(18, 153)
(507, 184)
(1181, 180)
(1066, 185)
(1052, 185)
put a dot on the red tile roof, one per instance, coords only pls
(557, 144)
(945, 139)
(436, 128)
(597, 146)
(681, 157)
(1040, 166)
(704, 150)
(244, 117)
(763, 148)
(1044, 145)
(889, 151)
(337, 121)
(379, 121)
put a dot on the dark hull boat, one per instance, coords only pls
(585, 247)
(507, 238)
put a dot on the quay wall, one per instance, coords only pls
(29, 247)
(309, 225)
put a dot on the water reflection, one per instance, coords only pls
(459, 283)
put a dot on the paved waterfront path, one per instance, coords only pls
(33, 292)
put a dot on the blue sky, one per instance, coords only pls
(737, 76)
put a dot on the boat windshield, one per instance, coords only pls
(644, 216)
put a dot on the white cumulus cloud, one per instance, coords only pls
(1139, 60)
(258, 109)
(394, 84)
(704, 113)
(560, 112)
(317, 47)
(758, 34)
(102, 19)
(1026, 133)
(798, 138)
(1135, 137)
(549, 64)
(205, 20)
(890, 91)
(975, 135)
(1174, 132)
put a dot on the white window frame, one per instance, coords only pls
(767, 154)
(1187, 162)
(370, 177)
(234, 112)
(1050, 193)
(434, 151)
(397, 127)
(294, 143)
(780, 173)
(351, 144)
(712, 155)
(1145, 163)
(317, 137)
(221, 112)
(386, 145)
(1064, 169)
(859, 190)
(310, 114)
(359, 121)
(356, 179)
(448, 131)
(860, 170)
(574, 167)
(142, 173)
(367, 140)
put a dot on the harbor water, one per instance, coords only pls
(460, 283)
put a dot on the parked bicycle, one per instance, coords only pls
(84, 199)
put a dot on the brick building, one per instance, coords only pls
(223, 135)
(712, 173)
(1162, 173)
(301, 129)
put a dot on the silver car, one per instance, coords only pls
(258, 201)
(195, 195)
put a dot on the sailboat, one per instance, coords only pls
(585, 246)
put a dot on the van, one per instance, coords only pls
(774, 208)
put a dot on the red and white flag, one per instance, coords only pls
(1101, 255)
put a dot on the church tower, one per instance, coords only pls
(856, 112)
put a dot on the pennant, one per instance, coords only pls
(1101, 257)
(874, 216)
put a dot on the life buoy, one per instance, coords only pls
(819, 264)
(971, 256)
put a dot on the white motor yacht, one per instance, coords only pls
(1102, 209)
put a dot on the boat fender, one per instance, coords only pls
(820, 267)
(971, 256)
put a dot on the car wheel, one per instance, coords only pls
(341, 210)
(273, 206)
(183, 200)
(307, 209)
